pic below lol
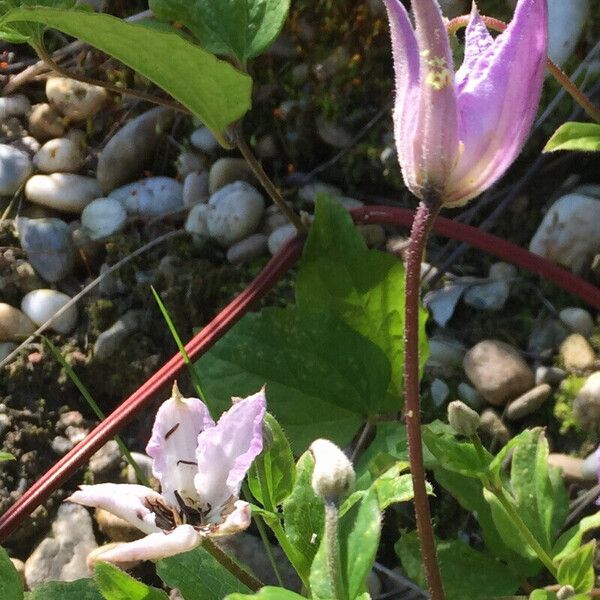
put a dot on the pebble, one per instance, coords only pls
(280, 236)
(493, 426)
(439, 392)
(311, 191)
(6, 348)
(15, 325)
(445, 353)
(48, 245)
(332, 134)
(236, 211)
(502, 270)
(578, 320)
(226, 171)
(14, 106)
(115, 528)
(273, 219)
(61, 556)
(576, 353)
(203, 139)
(546, 337)
(76, 100)
(529, 402)
(109, 341)
(62, 191)
(372, 234)
(102, 218)
(454, 8)
(45, 122)
(19, 566)
(497, 371)
(550, 375)
(443, 301)
(59, 155)
(586, 406)
(189, 162)
(590, 468)
(248, 249)
(195, 222)
(566, 21)
(572, 468)
(15, 168)
(195, 188)
(151, 197)
(468, 394)
(110, 285)
(488, 296)
(131, 148)
(145, 463)
(27, 144)
(106, 463)
(568, 234)
(28, 280)
(41, 305)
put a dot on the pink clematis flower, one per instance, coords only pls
(457, 133)
(200, 466)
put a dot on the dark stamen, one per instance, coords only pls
(172, 431)
(186, 462)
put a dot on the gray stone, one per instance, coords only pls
(578, 320)
(105, 464)
(280, 236)
(195, 222)
(492, 425)
(48, 245)
(497, 371)
(15, 168)
(110, 285)
(529, 402)
(586, 406)
(445, 353)
(248, 249)
(311, 191)
(27, 144)
(469, 395)
(204, 140)
(439, 392)
(550, 375)
(332, 133)
(226, 171)
(488, 296)
(577, 354)
(14, 106)
(102, 218)
(144, 462)
(151, 197)
(108, 341)
(131, 148)
(45, 122)
(62, 555)
(189, 162)
(6, 348)
(195, 189)
(546, 337)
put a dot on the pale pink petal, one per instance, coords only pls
(155, 546)
(123, 500)
(226, 451)
(236, 521)
(173, 445)
(498, 101)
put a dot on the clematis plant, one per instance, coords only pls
(200, 466)
(457, 133)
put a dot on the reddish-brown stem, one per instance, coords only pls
(424, 218)
(275, 269)
(593, 111)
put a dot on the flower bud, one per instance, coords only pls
(565, 592)
(333, 475)
(462, 419)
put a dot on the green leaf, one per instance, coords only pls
(577, 569)
(465, 571)
(364, 287)
(303, 511)
(277, 464)
(393, 488)
(212, 89)
(11, 586)
(542, 595)
(579, 137)
(570, 540)
(4, 456)
(240, 28)
(456, 454)
(199, 576)
(115, 584)
(82, 589)
(19, 33)
(267, 593)
(313, 388)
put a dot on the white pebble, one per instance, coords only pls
(280, 236)
(103, 217)
(151, 197)
(41, 305)
(59, 155)
(76, 100)
(62, 191)
(15, 168)
(204, 140)
(196, 220)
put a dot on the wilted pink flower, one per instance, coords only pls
(457, 133)
(200, 466)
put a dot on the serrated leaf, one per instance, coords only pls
(240, 28)
(578, 137)
(82, 589)
(577, 569)
(465, 571)
(277, 464)
(199, 576)
(314, 389)
(115, 584)
(363, 287)
(267, 593)
(11, 586)
(212, 89)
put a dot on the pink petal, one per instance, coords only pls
(406, 67)
(435, 137)
(173, 445)
(498, 101)
(155, 546)
(226, 451)
(123, 500)
(236, 521)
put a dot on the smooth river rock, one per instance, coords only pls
(586, 406)
(15, 168)
(578, 320)
(76, 100)
(41, 305)
(577, 354)
(63, 191)
(59, 155)
(151, 197)
(102, 218)
(529, 402)
(497, 371)
(15, 325)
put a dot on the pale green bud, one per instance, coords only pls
(333, 475)
(462, 419)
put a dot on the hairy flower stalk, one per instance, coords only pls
(200, 466)
(456, 134)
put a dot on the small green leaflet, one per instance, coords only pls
(11, 587)
(577, 569)
(115, 584)
(82, 589)
(4, 456)
(577, 137)
(267, 593)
